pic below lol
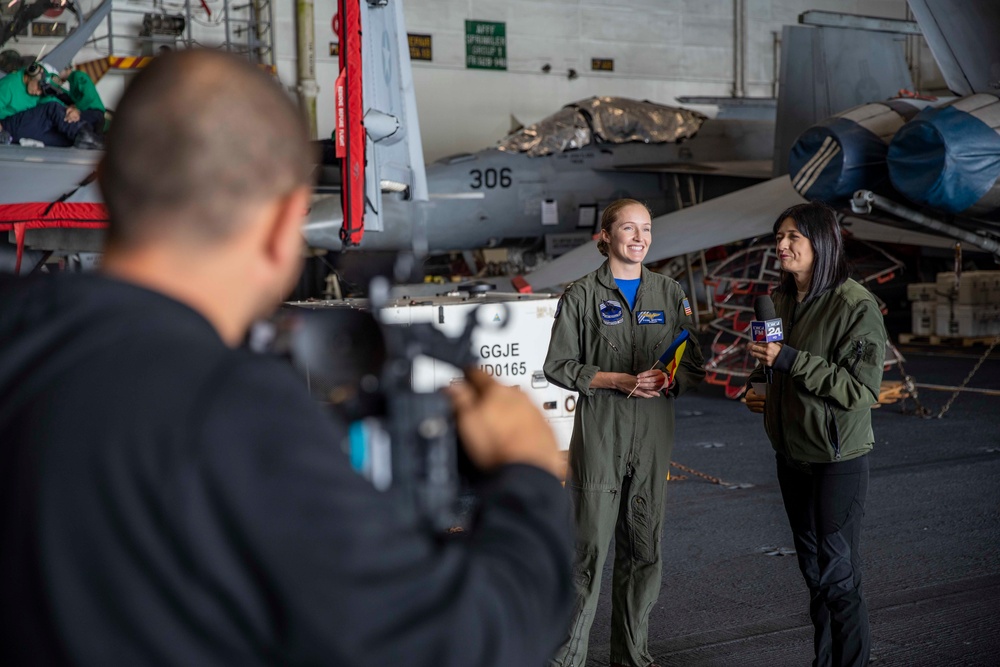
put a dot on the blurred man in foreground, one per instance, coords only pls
(168, 498)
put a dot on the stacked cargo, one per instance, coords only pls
(967, 306)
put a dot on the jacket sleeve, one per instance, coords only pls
(564, 362)
(344, 574)
(692, 368)
(853, 379)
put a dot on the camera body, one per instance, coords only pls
(362, 369)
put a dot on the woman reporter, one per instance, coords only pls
(817, 414)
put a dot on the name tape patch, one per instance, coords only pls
(650, 317)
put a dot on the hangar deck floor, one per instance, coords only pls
(931, 537)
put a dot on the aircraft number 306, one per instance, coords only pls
(490, 178)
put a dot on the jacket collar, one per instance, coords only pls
(606, 279)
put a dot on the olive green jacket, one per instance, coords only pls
(595, 330)
(827, 376)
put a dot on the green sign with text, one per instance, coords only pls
(485, 45)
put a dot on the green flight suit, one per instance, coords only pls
(620, 449)
(83, 92)
(14, 96)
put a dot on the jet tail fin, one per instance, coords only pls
(391, 151)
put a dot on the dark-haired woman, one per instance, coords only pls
(817, 414)
(610, 328)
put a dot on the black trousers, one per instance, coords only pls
(45, 123)
(825, 503)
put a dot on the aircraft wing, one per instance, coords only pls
(739, 215)
(876, 232)
(62, 55)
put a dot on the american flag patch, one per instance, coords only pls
(687, 308)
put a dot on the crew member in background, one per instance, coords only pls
(84, 96)
(817, 414)
(610, 329)
(27, 113)
(168, 499)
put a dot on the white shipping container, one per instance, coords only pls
(923, 317)
(974, 287)
(921, 292)
(967, 321)
(513, 355)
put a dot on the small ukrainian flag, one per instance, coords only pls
(671, 359)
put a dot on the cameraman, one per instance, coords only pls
(166, 498)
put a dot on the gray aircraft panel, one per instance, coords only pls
(963, 38)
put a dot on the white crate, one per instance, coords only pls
(974, 287)
(921, 292)
(923, 317)
(993, 285)
(967, 321)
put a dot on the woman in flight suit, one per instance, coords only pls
(610, 329)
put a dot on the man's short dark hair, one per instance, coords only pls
(200, 137)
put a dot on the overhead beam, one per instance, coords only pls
(837, 20)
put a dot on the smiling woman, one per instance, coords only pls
(610, 327)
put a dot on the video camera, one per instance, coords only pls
(362, 367)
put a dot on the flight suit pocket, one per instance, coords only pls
(645, 530)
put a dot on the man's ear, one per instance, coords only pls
(284, 242)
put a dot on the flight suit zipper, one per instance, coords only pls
(597, 327)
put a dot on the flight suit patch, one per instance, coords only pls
(687, 307)
(650, 317)
(611, 312)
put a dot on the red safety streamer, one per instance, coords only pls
(350, 129)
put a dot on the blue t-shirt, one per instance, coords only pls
(628, 288)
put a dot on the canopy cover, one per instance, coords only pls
(610, 120)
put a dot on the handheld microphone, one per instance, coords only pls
(767, 327)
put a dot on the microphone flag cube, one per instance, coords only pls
(671, 358)
(766, 331)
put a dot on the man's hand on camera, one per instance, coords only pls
(499, 425)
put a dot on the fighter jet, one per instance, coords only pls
(901, 170)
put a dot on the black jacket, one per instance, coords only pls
(167, 500)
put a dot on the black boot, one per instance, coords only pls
(87, 139)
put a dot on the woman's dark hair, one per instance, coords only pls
(818, 223)
(610, 216)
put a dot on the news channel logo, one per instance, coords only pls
(766, 331)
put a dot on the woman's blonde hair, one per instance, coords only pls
(610, 216)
